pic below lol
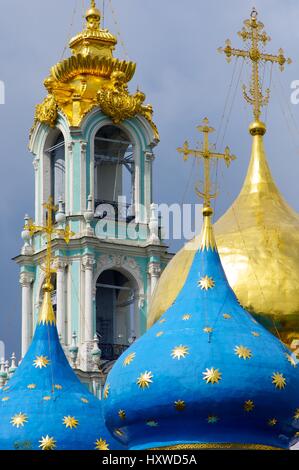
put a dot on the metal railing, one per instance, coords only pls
(111, 352)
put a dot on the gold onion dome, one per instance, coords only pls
(92, 78)
(258, 237)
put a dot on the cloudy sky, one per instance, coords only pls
(175, 46)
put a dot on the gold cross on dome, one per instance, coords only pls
(207, 154)
(254, 35)
(49, 230)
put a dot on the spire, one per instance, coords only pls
(93, 17)
(208, 240)
(253, 32)
(46, 314)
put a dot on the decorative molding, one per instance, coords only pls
(149, 156)
(35, 163)
(60, 264)
(88, 262)
(26, 279)
(122, 262)
(154, 269)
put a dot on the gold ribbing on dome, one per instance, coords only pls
(46, 314)
(207, 235)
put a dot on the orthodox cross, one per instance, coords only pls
(207, 154)
(254, 34)
(49, 230)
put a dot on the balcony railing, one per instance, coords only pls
(114, 210)
(111, 352)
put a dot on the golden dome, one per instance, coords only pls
(258, 241)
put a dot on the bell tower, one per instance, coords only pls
(92, 143)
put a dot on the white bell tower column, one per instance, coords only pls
(26, 280)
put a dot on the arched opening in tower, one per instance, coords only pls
(116, 304)
(57, 169)
(114, 174)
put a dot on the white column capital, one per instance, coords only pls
(60, 264)
(154, 269)
(26, 279)
(35, 163)
(70, 145)
(83, 144)
(88, 262)
(149, 156)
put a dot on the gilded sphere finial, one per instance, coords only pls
(48, 286)
(207, 211)
(257, 128)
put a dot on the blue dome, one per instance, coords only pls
(206, 375)
(44, 406)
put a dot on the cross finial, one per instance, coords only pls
(254, 33)
(207, 154)
(49, 230)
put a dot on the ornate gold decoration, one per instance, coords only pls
(291, 360)
(122, 414)
(31, 386)
(101, 444)
(218, 446)
(19, 420)
(186, 317)
(47, 111)
(212, 375)
(152, 423)
(106, 391)
(180, 405)
(279, 380)
(117, 103)
(226, 316)
(145, 380)
(70, 422)
(47, 443)
(243, 352)
(92, 77)
(179, 352)
(40, 362)
(212, 419)
(5, 399)
(296, 415)
(160, 333)
(248, 405)
(253, 32)
(272, 422)
(206, 283)
(84, 400)
(254, 333)
(46, 313)
(208, 330)
(208, 240)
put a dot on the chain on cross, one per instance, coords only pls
(49, 230)
(206, 154)
(253, 32)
